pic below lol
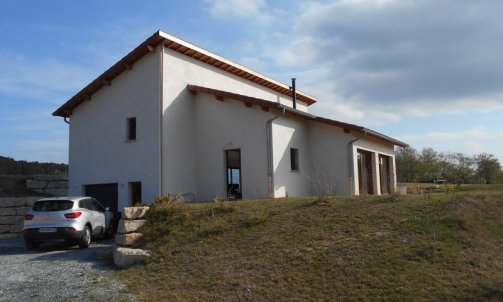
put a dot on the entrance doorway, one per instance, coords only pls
(233, 167)
(365, 177)
(384, 173)
(135, 192)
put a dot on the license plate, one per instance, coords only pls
(47, 230)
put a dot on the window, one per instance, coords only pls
(97, 206)
(294, 159)
(135, 193)
(131, 128)
(52, 205)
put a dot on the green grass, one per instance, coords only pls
(437, 246)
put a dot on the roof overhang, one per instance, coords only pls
(187, 49)
(266, 105)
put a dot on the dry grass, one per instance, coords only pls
(426, 247)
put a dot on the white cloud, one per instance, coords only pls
(249, 9)
(412, 58)
(469, 141)
(477, 133)
(47, 80)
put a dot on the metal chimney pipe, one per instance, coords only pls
(294, 94)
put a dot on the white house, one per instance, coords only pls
(172, 117)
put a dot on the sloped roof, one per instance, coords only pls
(266, 105)
(184, 48)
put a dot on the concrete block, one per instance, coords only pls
(7, 211)
(4, 228)
(59, 184)
(16, 228)
(129, 226)
(36, 184)
(50, 177)
(30, 201)
(12, 202)
(125, 257)
(134, 213)
(401, 190)
(20, 211)
(11, 219)
(128, 239)
(8, 236)
(56, 192)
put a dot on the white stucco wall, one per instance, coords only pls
(329, 156)
(289, 132)
(99, 150)
(224, 126)
(180, 153)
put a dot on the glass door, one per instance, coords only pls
(233, 163)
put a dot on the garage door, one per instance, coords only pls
(107, 194)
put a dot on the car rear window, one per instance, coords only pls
(52, 205)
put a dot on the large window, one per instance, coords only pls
(294, 159)
(233, 163)
(131, 129)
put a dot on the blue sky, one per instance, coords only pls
(429, 73)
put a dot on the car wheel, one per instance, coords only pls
(31, 245)
(85, 239)
(110, 230)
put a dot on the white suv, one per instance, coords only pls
(74, 219)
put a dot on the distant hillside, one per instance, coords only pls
(9, 166)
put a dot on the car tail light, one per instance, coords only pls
(28, 217)
(73, 215)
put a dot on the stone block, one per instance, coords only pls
(129, 226)
(8, 236)
(125, 257)
(30, 201)
(20, 211)
(11, 219)
(56, 192)
(134, 213)
(4, 228)
(7, 211)
(12, 202)
(16, 228)
(128, 239)
(401, 190)
(36, 184)
(59, 184)
(50, 177)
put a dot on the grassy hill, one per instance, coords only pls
(439, 246)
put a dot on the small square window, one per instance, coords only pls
(131, 128)
(294, 159)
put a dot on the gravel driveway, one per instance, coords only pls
(57, 273)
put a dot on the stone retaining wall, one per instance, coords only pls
(12, 210)
(53, 185)
(126, 253)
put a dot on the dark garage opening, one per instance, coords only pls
(106, 194)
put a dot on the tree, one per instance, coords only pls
(407, 164)
(488, 169)
(429, 165)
